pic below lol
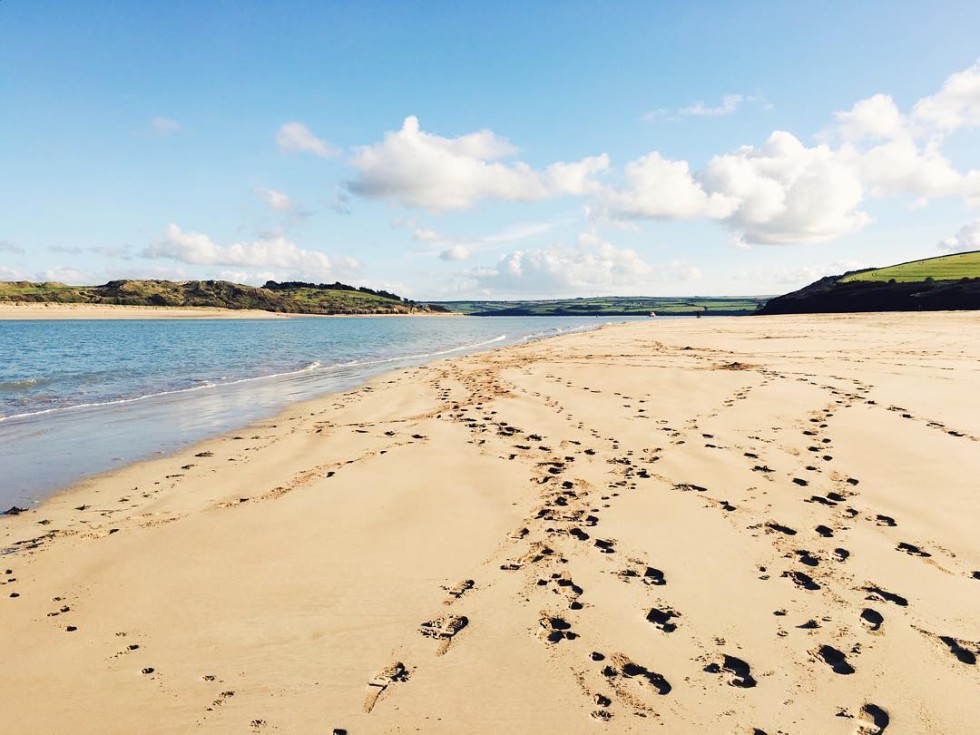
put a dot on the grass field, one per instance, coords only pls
(943, 268)
(611, 305)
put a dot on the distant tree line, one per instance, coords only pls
(337, 286)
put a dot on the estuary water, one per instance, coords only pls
(82, 397)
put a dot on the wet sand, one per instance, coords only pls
(717, 525)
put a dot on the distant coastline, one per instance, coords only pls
(293, 297)
(14, 311)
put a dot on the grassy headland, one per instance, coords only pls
(949, 282)
(288, 298)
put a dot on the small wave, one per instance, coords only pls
(123, 401)
(309, 368)
(18, 384)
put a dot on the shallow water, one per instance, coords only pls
(81, 397)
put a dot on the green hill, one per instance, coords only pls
(949, 282)
(943, 268)
(289, 298)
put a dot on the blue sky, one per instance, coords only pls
(457, 150)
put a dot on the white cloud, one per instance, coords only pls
(296, 137)
(164, 127)
(9, 247)
(900, 166)
(63, 274)
(277, 252)
(9, 274)
(786, 192)
(956, 105)
(967, 238)
(276, 200)
(875, 117)
(456, 252)
(419, 169)
(783, 192)
(592, 266)
(729, 104)
(425, 234)
(657, 188)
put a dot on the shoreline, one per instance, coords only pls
(27, 311)
(327, 553)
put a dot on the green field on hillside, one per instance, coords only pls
(608, 306)
(943, 268)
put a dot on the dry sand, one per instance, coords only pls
(50, 310)
(674, 526)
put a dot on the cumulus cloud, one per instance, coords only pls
(901, 166)
(783, 192)
(164, 127)
(296, 137)
(276, 200)
(966, 239)
(786, 192)
(455, 253)
(875, 117)
(657, 188)
(592, 265)
(9, 247)
(956, 105)
(419, 169)
(276, 252)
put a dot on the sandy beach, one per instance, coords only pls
(728, 525)
(51, 310)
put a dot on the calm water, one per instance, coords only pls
(80, 397)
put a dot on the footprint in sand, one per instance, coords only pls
(873, 719)
(872, 619)
(961, 649)
(458, 590)
(621, 671)
(444, 629)
(663, 618)
(882, 595)
(912, 550)
(394, 674)
(739, 672)
(555, 629)
(802, 580)
(835, 659)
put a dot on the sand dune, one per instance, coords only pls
(718, 525)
